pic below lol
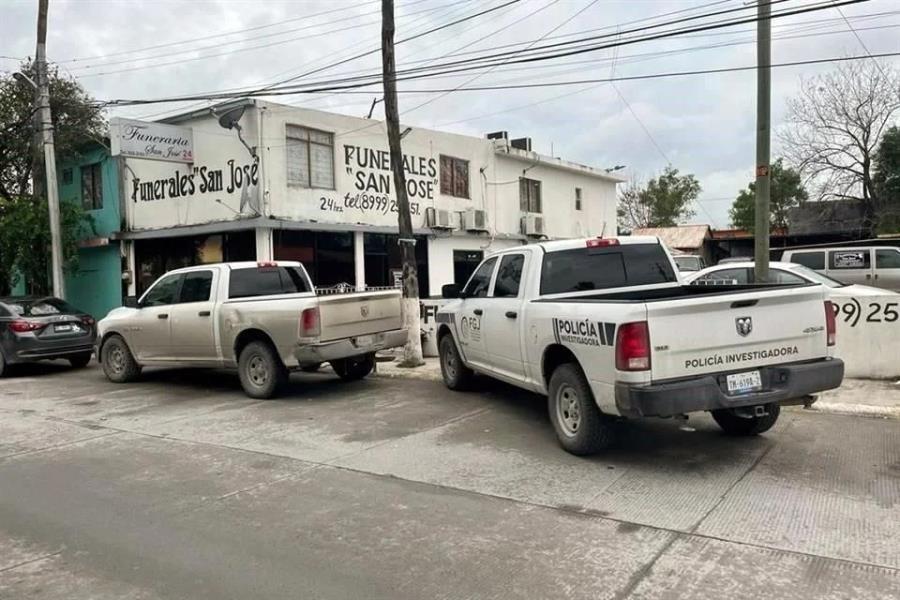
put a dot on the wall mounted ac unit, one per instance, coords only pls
(533, 224)
(438, 218)
(475, 220)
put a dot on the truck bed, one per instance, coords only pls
(358, 313)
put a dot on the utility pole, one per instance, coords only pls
(412, 352)
(46, 127)
(763, 113)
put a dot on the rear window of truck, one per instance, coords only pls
(266, 281)
(585, 269)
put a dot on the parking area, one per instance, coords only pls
(180, 487)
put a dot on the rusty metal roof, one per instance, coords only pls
(684, 237)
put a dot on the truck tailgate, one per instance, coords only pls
(737, 331)
(351, 315)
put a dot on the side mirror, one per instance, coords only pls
(451, 290)
(131, 302)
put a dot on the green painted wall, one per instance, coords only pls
(97, 287)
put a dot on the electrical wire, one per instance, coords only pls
(860, 40)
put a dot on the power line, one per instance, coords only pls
(647, 76)
(860, 40)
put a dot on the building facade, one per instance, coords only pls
(317, 187)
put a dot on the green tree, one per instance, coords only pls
(663, 202)
(786, 192)
(887, 181)
(24, 232)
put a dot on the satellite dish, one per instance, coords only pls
(229, 119)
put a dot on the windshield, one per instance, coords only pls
(688, 263)
(816, 276)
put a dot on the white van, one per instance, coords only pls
(877, 266)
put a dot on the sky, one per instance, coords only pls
(700, 124)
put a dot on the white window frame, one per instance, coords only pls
(309, 143)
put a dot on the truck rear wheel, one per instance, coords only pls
(580, 426)
(354, 367)
(118, 362)
(733, 424)
(261, 371)
(457, 376)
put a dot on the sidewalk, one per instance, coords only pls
(861, 397)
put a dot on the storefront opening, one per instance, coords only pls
(383, 260)
(464, 264)
(327, 255)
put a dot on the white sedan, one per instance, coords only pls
(741, 273)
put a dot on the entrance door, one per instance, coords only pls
(149, 337)
(503, 319)
(471, 336)
(192, 324)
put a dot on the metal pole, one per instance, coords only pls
(763, 110)
(46, 125)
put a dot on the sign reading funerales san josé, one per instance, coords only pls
(153, 141)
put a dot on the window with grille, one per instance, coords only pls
(310, 157)
(454, 177)
(529, 195)
(91, 187)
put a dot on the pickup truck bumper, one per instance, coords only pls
(780, 383)
(308, 354)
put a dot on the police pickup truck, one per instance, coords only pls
(606, 329)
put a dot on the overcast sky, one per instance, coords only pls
(702, 124)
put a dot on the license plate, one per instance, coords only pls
(365, 340)
(61, 328)
(740, 383)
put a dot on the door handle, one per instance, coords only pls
(868, 276)
(478, 312)
(203, 313)
(511, 314)
(162, 316)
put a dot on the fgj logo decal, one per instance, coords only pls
(470, 328)
(744, 325)
(586, 332)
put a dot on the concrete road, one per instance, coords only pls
(180, 487)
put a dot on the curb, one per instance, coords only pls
(854, 410)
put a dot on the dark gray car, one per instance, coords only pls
(40, 328)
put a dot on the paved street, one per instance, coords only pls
(181, 487)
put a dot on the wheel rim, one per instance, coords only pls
(568, 410)
(449, 362)
(116, 359)
(258, 371)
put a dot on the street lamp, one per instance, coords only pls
(23, 78)
(615, 168)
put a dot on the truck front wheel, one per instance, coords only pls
(733, 424)
(580, 426)
(118, 362)
(457, 376)
(261, 371)
(354, 367)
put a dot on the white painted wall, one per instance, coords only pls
(440, 255)
(868, 340)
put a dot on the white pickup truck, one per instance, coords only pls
(262, 318)
(607, 329)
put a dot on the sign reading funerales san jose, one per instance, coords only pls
(153, 141)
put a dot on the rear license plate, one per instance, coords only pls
(741, 383)
(62, 328)
(365, 340)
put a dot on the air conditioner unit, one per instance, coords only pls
(475, 220)
(533, 224)
(438, 218)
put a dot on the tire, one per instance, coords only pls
(118, 362)
(354, 367)
(732, 424)
(457, 376)
(261, 371)
(580, 426)
(311, 368)
(4, 368)
(80, 361)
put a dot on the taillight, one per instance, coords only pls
(24, 326)
(633, 347)
(602, 242)
(830, 323)
(88, 320)
(309, 322)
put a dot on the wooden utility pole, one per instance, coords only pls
(46, 131)
(763, 110)
(412, 352)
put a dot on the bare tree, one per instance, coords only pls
(834, 127)
(633, 211)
